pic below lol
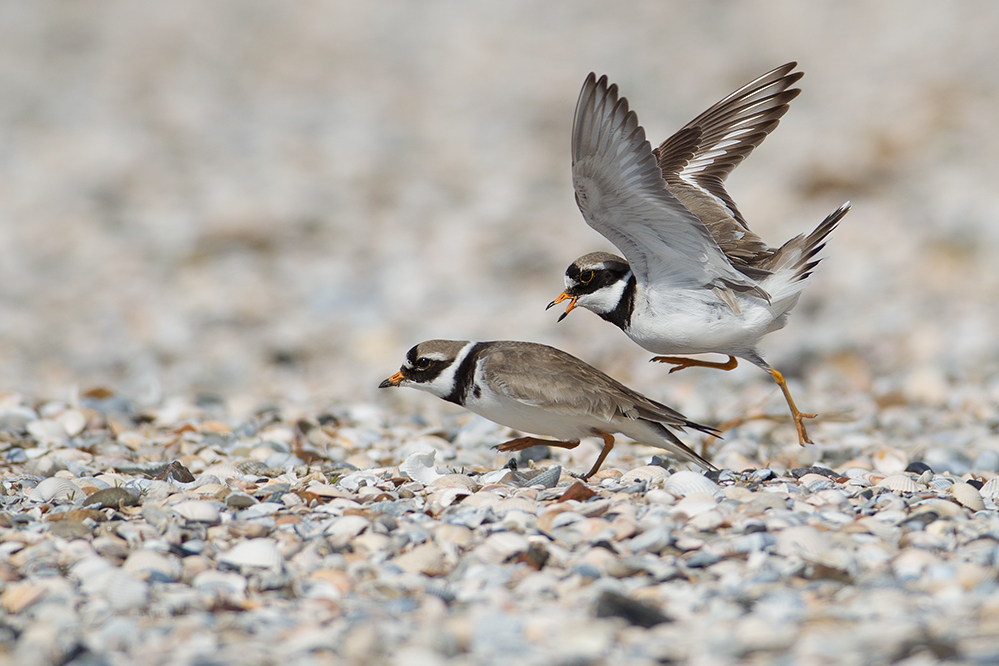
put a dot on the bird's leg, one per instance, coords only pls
(796, 414)
(522, 443)
(681, 362)
(608, 445)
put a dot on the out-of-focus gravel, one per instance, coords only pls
(243, 213)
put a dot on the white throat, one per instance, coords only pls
(444, 383)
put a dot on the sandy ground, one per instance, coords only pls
(263, 201)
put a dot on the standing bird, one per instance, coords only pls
(695, 279)
(542, 390)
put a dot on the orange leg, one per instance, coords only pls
(682, 362)
(522, 443)
(608, 445)
(796, 414)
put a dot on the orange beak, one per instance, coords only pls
(564, 297)
(394, 380)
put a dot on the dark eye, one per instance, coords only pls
(585, 277)
(422, 363)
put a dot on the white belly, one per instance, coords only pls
(687, 322)
(532, 419)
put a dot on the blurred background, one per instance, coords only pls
(277, 200)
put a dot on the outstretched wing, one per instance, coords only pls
(706, 150)
(621, 193)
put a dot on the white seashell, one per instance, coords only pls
(516, 504)
(483, 498)
(803, 540)
(56, 488)
(198, 511)
(426, 558)
(257, 553)
(817, 482)
(223, 471)
(941, 483)
(124, 592)
(47, 431)
(206, 490)
(691, 505)
(967, 495)
(341, 530)
(220, 585)
(149, 565)
(73, 421)
(547, 478)
(899, 483)
(648, 473)
(445, 497)
(685, 483)
(499, 547)
(355, 480)
(454, 481)
(990, 489)
(420, 467)
(889, 460)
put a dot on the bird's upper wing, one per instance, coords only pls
(562, 383)
(706, 150)
(621, 193)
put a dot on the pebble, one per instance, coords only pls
(463, 556)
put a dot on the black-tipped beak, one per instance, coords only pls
(564, 297)
(394, 380)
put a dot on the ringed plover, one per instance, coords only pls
(545, 391)
(695, 279)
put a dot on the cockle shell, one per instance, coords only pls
(255, 553)
(647, 473)
(990, 489)
(967, 495)
(685, 483)
(150, 565)
(56, 488)
(899, 483)
(198, 511)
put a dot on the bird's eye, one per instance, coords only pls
(422, 363)
(586, 277)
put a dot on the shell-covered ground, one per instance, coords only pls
(222, 225)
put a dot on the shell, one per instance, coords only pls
(355, 480)
(515, 504)
(19, 596)
(47, 431)
(420, 467)
(889, 460)
(454, 481)
(73, 421)
(255, 553)
(426, 558)
(499, 547)
(967, 495)
(56, 488)
(223, 471)
(817, 482)
(123, 592)
(547, 478)
(341, 530)
(899, 483)
(685, 483)
(941, 484)
(990, 489)
(198, 511)
(149, 565)
(648, 473)
(445, 497)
